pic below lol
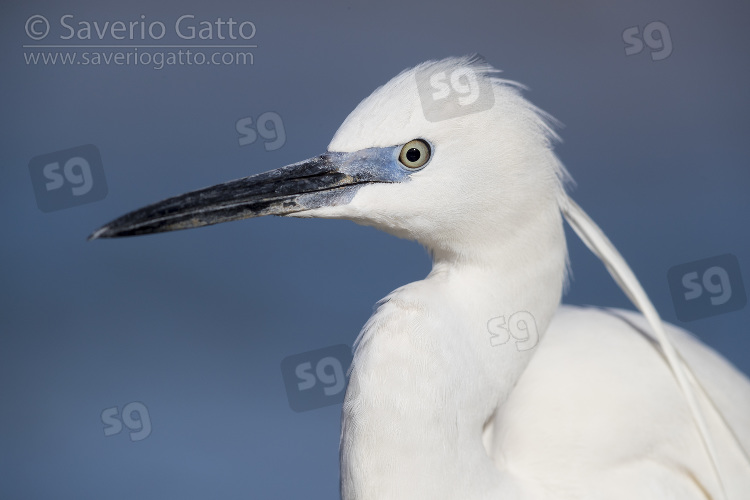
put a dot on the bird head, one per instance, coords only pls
(446, 153)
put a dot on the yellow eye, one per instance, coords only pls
(415, 153)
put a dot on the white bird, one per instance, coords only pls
(475, 383)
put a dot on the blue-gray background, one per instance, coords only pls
(195, 324)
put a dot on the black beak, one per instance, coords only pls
(326, 180)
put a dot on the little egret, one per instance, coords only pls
(475, 383)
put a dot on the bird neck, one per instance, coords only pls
(435, 362)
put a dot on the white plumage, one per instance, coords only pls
(433, 411)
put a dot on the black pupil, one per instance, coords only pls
(413, 154)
